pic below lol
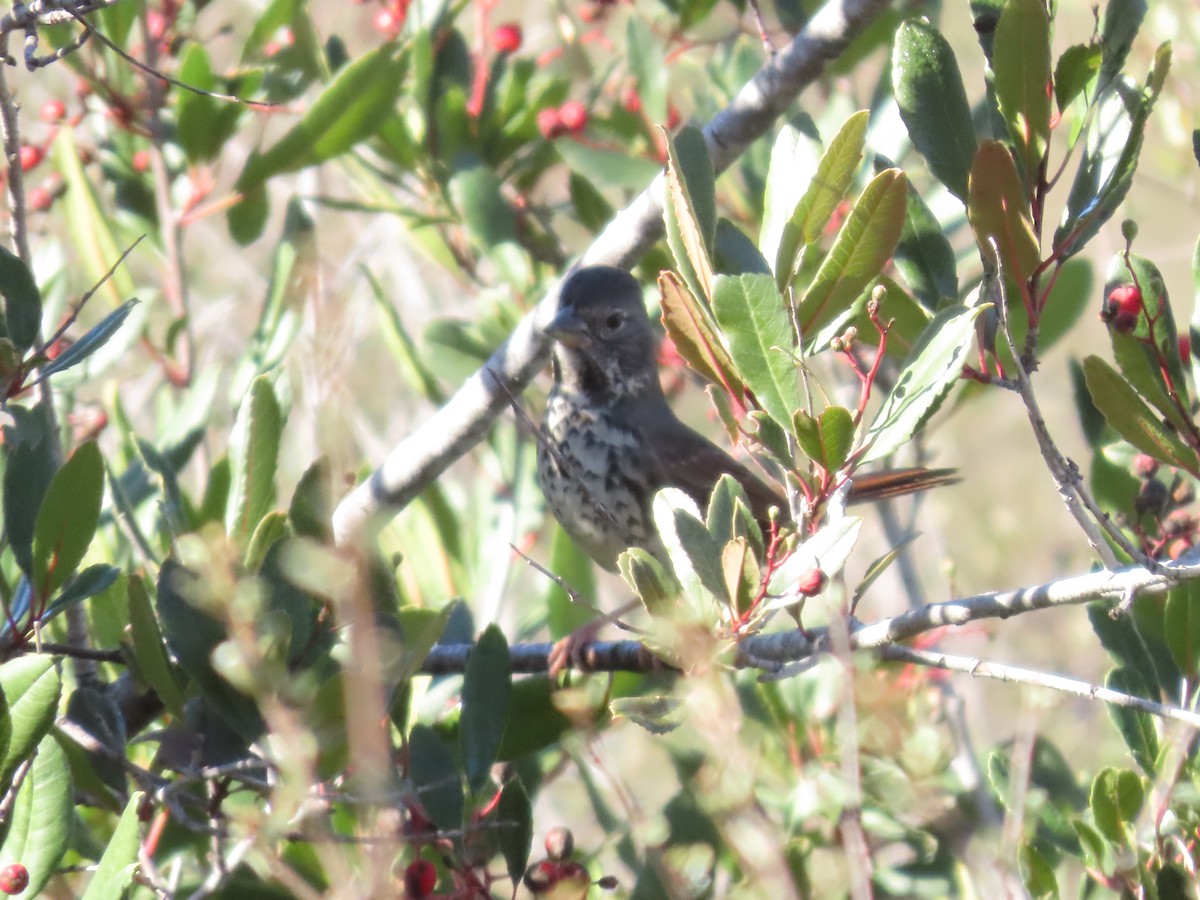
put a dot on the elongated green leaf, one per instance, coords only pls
(931, 370)
(22, 301)
(1122, 21)
(149, 652)
(694, 554)
(402, 346)
(607, 167)
(863, 246)
(1181, 626)
(114, 876)
(1116, 797)
(999, 211)
(349, 109)
(40, 824)
(254, 455)
(436, 778)
(95, 338)
(1022, 80)
(794, 160)
(28, 471)
(924, 255)
(67, 519)
(822, 193)
(933, 103)
(31, 686)
(649, 67)
(690, 212)
(515, 815)
(92, 238)
(487, 685)
(1137, 726)
(1110, 156)
(757, 327)
(1132, 418)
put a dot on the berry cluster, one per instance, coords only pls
(560, 874)
(1174, 529)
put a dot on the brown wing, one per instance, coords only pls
(898, 482)
(689, 461)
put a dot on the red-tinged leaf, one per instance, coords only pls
(1021, 62)
(999, 211)
(691, 328)
(690, 210)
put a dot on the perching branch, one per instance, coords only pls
(462, 422)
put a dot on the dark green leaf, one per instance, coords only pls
(933, 103)
(475, 192)
(514, 819)
(487, 684)
(1075, 68)
(22, 301)
(1122, 20)
(436, 779)
(311, 510)
(67, 519)
(95, 338)
(28, 470)
(735, 254)
(924, 256)
(149, 654)
(534, 721)
(1117, 795)
(1135, 725)
(95, 579)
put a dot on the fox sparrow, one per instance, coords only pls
(612, 440)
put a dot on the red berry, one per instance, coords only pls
(14, 878)
(1185, 349)
(140, 161)
(388, 21)
(560, 843)
(550, 123)
(574, 116)
(1144, 465)
(507, 38)
(811, 583)
(673, 117)
(31, 157)
(40, 199)
(420, 878)
(53, 111)
(541, 877)
(1122, 308)
(631, 99)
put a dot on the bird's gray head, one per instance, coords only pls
(603, 343)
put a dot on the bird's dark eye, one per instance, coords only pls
(614, 321)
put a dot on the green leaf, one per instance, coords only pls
(1116, 798)
(192, 635)
(648, 580)
(475, 191)
(514, 817)
(114, 875)
(204, 124)
(690, 212)
(39, 826)
(575, 567)
(644, 53)
(22, 301)
(1036, 871)
(254, 455)
(95, 338)
(933, 103)
(694, 554)
(149, 652)
(29, 468)
(999, 210)
(95, 579)
(924, 256)
(930, 371)
(1136, 726)
(823, 191)
(349, 109)
(759, 333)
(607, 167)
(793, 165)
(67, 519)
(1125, 411)
(1110, 156)
(826, 440)
(1122, 21)
(534, 720)
(1021, 63)
(403, 348)
(487, 684)
(436, 778)
(827, 550)
(1132, 644)
(1076, 67)
(863, 246)
(735, 254)
(659, 714)
(32, 686)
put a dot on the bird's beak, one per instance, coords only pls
(567, 328)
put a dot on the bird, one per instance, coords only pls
(611, 440)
